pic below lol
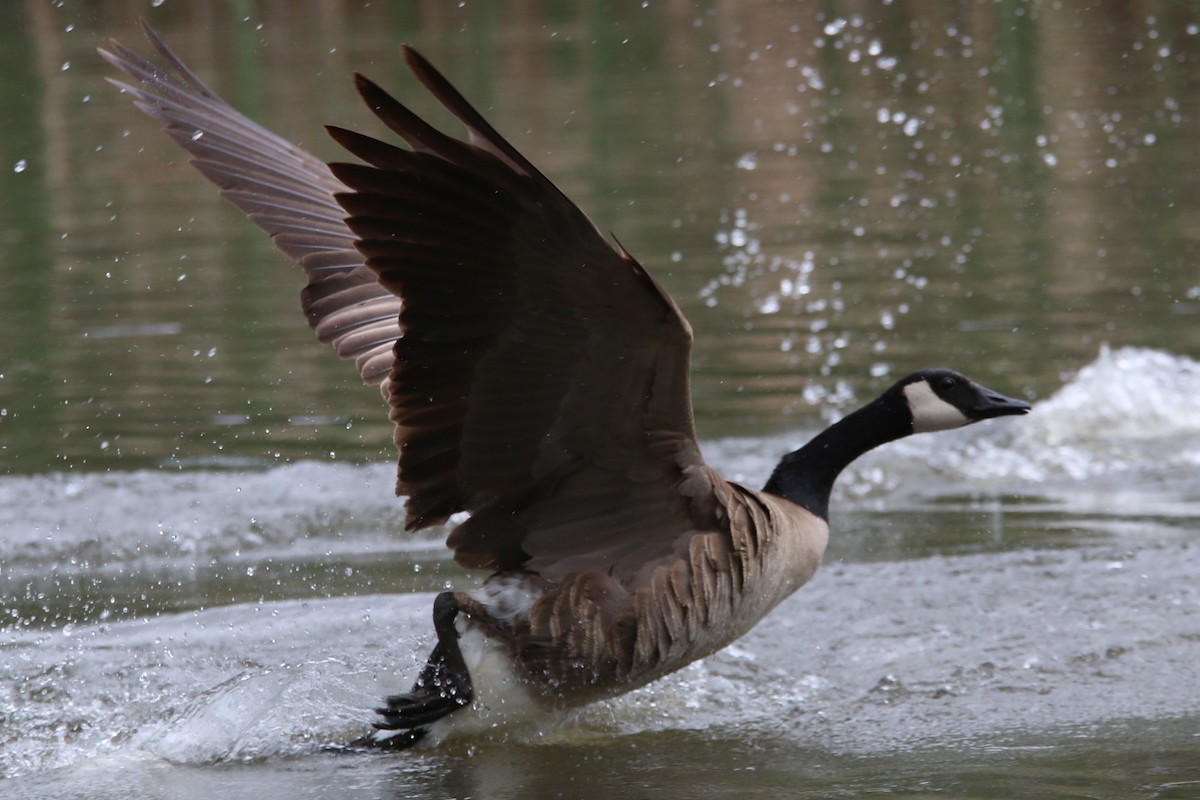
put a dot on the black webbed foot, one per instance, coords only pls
(444, 686)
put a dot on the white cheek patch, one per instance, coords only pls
(930, 412)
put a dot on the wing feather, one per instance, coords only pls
(285, 191)
(537, 375)
(542, 381)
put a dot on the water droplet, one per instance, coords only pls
(20, 166)
(835, 27)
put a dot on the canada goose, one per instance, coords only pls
(537, 377)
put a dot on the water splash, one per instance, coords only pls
(959, 643)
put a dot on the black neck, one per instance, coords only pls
(806, 476)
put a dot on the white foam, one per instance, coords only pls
(193, 516)
(1132, 411)
(960, 642)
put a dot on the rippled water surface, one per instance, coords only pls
(201, 580)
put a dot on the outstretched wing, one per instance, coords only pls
(285, 191)
(542, 379)
(539, 375)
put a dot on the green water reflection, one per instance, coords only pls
(1146, 763)
(835, 193)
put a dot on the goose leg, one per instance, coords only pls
(444, 686)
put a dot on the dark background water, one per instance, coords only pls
(835, 193)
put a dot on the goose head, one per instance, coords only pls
(941, 399)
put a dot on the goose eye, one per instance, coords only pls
(948, 382)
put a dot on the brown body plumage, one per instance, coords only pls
(594, 633)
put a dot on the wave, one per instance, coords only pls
(1128, 419)
(250, 680)
(961, 643)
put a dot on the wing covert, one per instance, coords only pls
(542, 379)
